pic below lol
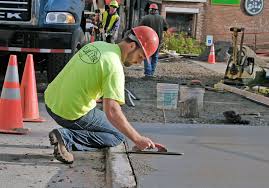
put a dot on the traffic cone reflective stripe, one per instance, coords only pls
(29, 93)
(11, 84)
(211, 57)
(10, 101)
(10, 93)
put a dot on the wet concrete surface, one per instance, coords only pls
(216, 156)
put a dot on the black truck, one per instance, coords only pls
(52, 30)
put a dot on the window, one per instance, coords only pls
(181, 22)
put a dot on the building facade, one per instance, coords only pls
(200, 18)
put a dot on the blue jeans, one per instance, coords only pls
(92, 130)
(149, 67)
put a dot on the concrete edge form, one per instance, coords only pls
(119, 173)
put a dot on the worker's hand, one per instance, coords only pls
(144, 143)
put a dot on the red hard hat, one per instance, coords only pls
(153, 6)
(147, 38)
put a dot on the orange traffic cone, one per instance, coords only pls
(29, 99)
(211, 57)
(10, 101)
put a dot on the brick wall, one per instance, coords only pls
(219, 19)
(216, 20)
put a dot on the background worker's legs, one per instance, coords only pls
(154, 61)
(149, 67)
(91, 131)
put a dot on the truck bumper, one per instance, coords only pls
(35, 41)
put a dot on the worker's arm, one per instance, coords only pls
(117, 118)
(165, 25)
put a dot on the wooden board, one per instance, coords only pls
(252, 96)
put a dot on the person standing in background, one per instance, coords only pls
(157, 23)
(110, 22)
(97, 22)
(89, 30)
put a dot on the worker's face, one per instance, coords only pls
(135, 56)
(112, 9)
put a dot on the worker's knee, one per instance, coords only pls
(112, 140)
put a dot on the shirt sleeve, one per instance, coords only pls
(142, 22)
(165, 25)
(113, 87)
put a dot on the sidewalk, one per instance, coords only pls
(27, 161)
(218, 67)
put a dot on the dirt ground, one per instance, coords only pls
(181, 71)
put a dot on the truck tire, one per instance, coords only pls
(55, 64)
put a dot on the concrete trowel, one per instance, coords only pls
(159, 150)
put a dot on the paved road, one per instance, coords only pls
(215, 157)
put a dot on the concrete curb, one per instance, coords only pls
(119, 173)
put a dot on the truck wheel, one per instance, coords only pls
(55, 64)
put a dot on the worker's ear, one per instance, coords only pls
(132, 46)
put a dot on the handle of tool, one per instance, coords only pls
(155, 153)
(160, 148)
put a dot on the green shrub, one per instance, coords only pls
(182, 44)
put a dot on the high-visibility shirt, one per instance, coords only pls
(112, 22)
(94, 71)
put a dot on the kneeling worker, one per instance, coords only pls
(95, 71)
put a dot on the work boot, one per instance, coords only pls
(60, 151)
(149, 77)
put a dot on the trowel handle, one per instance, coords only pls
(160, 148)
